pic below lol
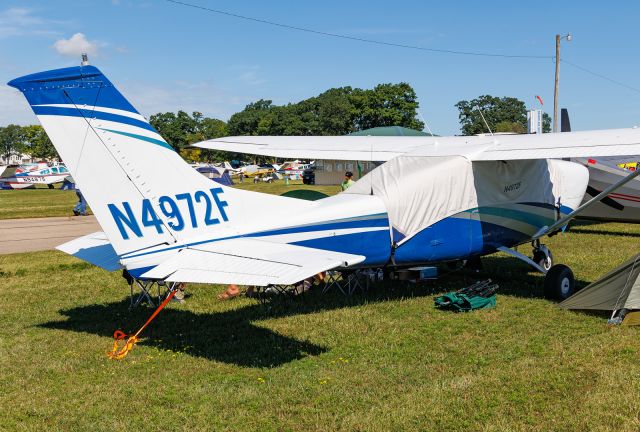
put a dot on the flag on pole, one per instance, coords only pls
(539, 100)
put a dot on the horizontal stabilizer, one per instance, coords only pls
(249, 262)
(95, 249)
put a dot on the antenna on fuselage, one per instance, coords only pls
(85, 60)
(484, 120)
(424, 121)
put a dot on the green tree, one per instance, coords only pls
(503, 114)
(546, 123)
(181, 129)
(175, 128)
(12, 141)
(334, 112)
(211, 128)
(338, 111)
(38, 144)
(507, 126)
(246, 121)
(386, 105)
(207, 128)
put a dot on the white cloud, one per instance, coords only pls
(76, 45)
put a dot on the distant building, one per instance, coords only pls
(534, 121)
(16, 159)
(331, 172)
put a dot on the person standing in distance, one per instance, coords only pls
(347, 182)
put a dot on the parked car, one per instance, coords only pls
(309, 176)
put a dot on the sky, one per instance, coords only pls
(168, 57)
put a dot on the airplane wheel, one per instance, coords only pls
(544, 260)
(559, 283)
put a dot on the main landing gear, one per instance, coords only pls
(542, 255)
(559, 282)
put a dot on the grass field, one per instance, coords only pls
(385, 360)
(43, 202)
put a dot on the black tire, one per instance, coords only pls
(559, 283)
(541, 259)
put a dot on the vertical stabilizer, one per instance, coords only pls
(141, 191)
(565, 124)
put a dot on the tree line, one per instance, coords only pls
(16, 140)
(337, 111)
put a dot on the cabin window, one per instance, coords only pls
(328, 167)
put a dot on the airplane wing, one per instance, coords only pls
(363, 148)
(477, 148)
(249, 262)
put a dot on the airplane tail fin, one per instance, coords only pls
(141, 191)
(565, 124)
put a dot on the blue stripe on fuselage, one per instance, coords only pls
(91, 114)
(161, 143)
(325, 226)
(368, 221)
(374, 245)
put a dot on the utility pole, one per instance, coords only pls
(555, 89)
(568, 37)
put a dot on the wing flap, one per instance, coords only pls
(249, 262)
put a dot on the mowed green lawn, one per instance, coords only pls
(386, 360)
(43, 202)
(34, 203)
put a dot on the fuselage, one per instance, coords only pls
(623, 205)
(366, 224)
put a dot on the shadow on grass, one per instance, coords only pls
(228, 336)
(514, 277)
(603, 232)
(232, 337)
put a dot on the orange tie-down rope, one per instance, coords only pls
(118, 335)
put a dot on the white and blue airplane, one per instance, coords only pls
(436, 199)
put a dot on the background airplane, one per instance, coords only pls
(32, 174)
